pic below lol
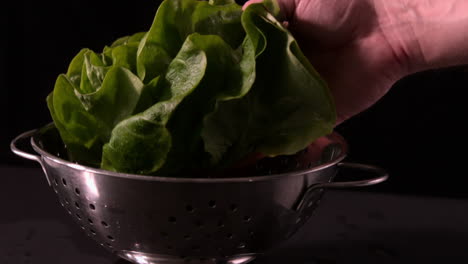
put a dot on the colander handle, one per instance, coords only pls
(22, 153)
(381, 176)
(315, 190)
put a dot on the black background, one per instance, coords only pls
(416, 131)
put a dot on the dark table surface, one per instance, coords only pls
(348, 227)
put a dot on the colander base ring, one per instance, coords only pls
(148, 258)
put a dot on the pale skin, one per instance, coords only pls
(362, 47)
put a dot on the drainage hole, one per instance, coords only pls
(199, 223)
(212, 203)
(189, 208)
(233, 207)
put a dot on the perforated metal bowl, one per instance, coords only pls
(167, 220)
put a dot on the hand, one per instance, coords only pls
(362, 47)
(342, 40)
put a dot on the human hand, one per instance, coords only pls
(362, 47)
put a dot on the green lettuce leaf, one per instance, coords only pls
(140, 144)
(93, 96)
(175, 20)
(229, 74)
(288, 107)
(206, 85)
(79, 130)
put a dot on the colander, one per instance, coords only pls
(229, 219)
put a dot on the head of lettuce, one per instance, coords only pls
(207, 85)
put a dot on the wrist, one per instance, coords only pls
(425, 34)
(395, 22)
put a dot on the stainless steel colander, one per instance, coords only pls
(167, 220)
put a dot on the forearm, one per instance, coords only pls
(426, 33)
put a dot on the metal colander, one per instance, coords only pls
(168, 220)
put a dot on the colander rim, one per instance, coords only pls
(255, 178)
